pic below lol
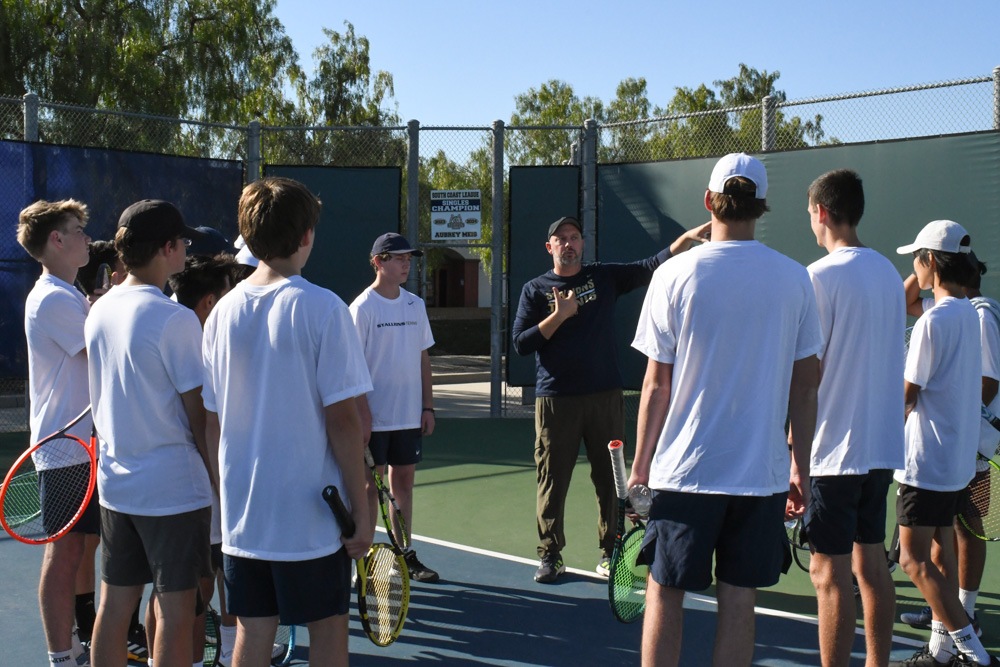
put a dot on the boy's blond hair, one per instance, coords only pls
(37, 221)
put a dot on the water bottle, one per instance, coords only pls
(641, 499)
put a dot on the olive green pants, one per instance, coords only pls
(561, 422)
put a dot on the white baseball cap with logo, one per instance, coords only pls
(739, 164)
(943, 235)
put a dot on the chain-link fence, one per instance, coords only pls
(467, 158)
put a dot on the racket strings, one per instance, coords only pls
(981, 509)
(629, 579)
(385, 594)
(48, 490)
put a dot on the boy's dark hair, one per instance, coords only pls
(135, 254)
(274, 214)
(841, 194)
(382, 257)
(202, 275)
(241, 272)
(738, 201)
(976, 276)
(101, 252)
(37, 221)
(952, 267)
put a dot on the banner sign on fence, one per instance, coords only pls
(456, 215)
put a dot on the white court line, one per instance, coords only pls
(697, 597)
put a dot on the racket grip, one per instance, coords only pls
(617, 451)
(332, 497)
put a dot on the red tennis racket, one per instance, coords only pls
(49, 486)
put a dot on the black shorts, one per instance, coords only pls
(56, 505)
(298, 592)
(217, 557)
(397, 448)
(924, 508)
(844, 509)
(746, 534)
(172, 552)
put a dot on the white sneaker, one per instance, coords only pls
(225, 659)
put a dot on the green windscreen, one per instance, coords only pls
(359, 205)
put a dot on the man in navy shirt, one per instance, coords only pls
(566, 317)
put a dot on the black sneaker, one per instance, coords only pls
(549, 569)
(921, 658)
(968, 661)
(419, 571)
(137, 647)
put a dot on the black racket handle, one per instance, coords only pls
(332, 497)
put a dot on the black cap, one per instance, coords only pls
(394, 244)
(156, 220)
(565, 220)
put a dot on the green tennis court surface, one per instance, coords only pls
(476, 488)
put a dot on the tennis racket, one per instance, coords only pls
(626, 580)
(212, 639)
(981, 509)
(284, 645)
(383, 581)
(47, 489)
(795, 532)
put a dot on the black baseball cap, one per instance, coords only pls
(565, 220)
(394, 244)
(211, 243)
(157, 221)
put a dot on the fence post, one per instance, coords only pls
(996, 98)
(497, 235)
(767, 133)
(413, 198)
(30, 117)
(253, 151)
(589, 211)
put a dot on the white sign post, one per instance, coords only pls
(456, 215)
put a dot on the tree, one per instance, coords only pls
(552, 103)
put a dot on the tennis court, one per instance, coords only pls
(475, 500)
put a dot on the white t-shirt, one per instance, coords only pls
(862, 313)
(54, 315)
(275, 357)
(989, 332)
(942, 431)
(393, 333)
(144, 351)
(732, 317)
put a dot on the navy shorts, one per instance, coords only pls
(298, 592)
(397, 448)
(845, 509)
(56, 505)
(746, 534)
(925, 508)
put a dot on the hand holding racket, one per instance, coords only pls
(383, 581)
(626, 580)
(49, 486)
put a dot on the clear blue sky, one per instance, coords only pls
(462, 63)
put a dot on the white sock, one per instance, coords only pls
(941, 644)
(77, 646)
(61, 658)
(968, 599)
(227, 639)
(968, 644)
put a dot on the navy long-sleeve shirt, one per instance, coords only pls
(581, 357)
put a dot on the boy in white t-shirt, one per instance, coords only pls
(727, 361)
(857, 443)
(283, 368)
(942, 394)
(54, 315)
(395, 336)
(145, 378)
(971, 551)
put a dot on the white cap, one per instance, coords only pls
(244, 256)
(943, 235)
(739, 164)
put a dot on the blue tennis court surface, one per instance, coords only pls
(487, 610)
